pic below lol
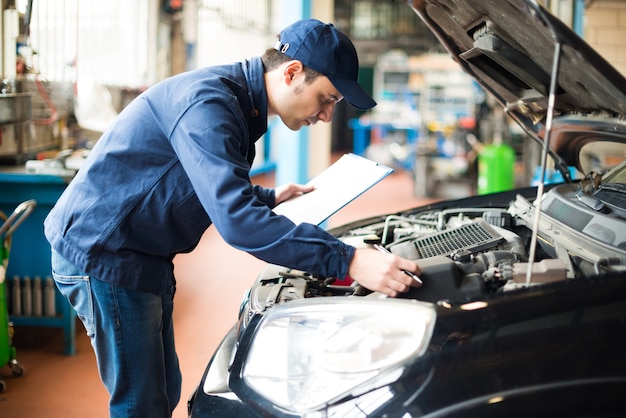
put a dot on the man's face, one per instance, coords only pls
(303, 104)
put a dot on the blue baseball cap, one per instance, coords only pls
(323, 48)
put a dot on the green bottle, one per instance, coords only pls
(496, 168)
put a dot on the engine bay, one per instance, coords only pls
(468, 252)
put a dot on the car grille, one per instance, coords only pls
(612, 198)
(472, 237)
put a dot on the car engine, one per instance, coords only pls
(466, 253)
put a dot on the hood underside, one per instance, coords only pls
(508, 47)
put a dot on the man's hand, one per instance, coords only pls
(289, 190)
(382, 272)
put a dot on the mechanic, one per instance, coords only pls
(175, 161)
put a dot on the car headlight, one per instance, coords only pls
(305, 354)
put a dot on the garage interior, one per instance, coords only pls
(62, 381)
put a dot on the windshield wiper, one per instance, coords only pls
(590, 183)
(586, 189)
(614, 187)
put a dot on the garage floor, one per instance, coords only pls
(211, 282)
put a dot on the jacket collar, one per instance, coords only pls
(256, 112)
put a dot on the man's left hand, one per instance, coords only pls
(289, 190)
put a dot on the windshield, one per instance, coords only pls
(616, 176)
(600, 157)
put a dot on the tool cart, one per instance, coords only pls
(29, 268)
(7, 350)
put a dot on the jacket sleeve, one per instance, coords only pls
(213, 156)
(267, 196)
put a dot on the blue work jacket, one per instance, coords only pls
(176, 160)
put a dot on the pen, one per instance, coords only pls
(408, 273)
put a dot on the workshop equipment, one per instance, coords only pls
(7, 350)
(496, 168)
(30, 251)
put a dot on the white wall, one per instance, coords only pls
(605, 30)
(113, 41)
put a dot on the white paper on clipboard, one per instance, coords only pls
(335, 187)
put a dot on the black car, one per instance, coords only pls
(523, 308)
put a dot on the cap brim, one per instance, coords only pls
(353, 93)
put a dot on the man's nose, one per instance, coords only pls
(326, 114)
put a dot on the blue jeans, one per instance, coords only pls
(132, 335)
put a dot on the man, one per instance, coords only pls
(175, 161)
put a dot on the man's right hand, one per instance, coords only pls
(382, 272)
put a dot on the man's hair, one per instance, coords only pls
(272, 59)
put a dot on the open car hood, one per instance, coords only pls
(512, 48)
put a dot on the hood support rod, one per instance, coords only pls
(544, 158)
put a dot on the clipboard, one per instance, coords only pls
(349, 177)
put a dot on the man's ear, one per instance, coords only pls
(291, 71)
